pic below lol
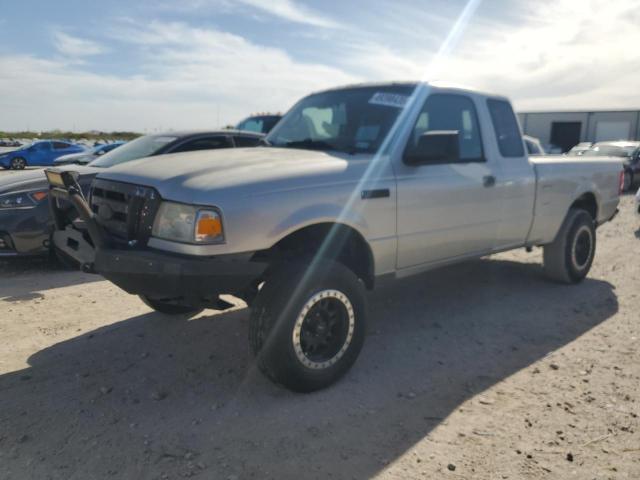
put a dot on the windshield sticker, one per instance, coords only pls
(386, 99)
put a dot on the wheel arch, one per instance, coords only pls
(586, 201)
(332, 240)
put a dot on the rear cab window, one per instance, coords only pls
(506, 128)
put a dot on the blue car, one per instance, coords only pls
(38, 154)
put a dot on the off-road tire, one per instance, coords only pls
(170, 308)
(285, 302)
(569, 258)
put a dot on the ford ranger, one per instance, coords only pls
(354, 184)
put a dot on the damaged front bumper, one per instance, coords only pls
(141, 270)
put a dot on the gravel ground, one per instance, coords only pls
(479, 371)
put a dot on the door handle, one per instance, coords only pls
(488, 181)
(378, 193)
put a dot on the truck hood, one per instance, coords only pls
(192, 177)
(35, 179)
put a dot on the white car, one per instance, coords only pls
(534, 147)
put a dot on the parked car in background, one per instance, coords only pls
(301, 227)
(579, 149)
(637, 203)
(259, 123)
(9, 143)
(38, 154)
(627, 151)
(534, 147)
(88, 156)
(552, 149)
(25, 222)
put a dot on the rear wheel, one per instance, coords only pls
(18, 163)
(170, 308)
(627, 181)
(307, 326)
(569, 258)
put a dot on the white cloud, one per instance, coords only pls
(187, 77)
(290, 10)
(76, 47)
(293, 12)
(564, 55)
(558, 56)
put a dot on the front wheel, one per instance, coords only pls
(18, 163)
(170, 308)
(307, 326)
(569, 258)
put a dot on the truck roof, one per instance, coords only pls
(413, 83)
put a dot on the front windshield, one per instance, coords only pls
(354, 120)
(609, 151)
(139, 148)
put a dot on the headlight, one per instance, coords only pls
(188, 224)
(23, 199)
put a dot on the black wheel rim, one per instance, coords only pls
(582, 248)
(324, 329)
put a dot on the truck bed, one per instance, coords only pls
(560, 178)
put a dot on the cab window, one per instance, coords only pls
(450, 112)
(506, 128)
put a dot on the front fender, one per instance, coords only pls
(317, 214)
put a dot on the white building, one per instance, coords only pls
(566, 129)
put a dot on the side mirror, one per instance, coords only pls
(436, 146)
(101, 152)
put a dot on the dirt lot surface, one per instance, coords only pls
(479, 371)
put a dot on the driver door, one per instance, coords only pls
(447, 208)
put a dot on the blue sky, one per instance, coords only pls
(152, 65)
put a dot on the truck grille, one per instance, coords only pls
(125, 211)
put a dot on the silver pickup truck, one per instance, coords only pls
(353, 184)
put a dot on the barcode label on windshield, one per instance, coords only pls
(395, 100)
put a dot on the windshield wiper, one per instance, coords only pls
(265, 143)
(352, 150)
